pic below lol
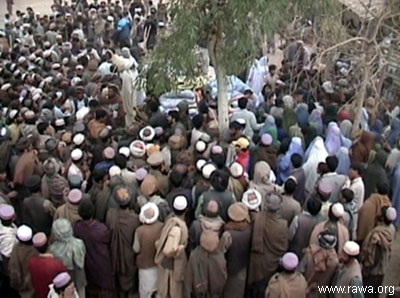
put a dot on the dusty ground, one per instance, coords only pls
(43, 6)
(39, 6)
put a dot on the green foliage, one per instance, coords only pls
(241, 24)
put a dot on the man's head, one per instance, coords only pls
(272, 69)
(289, 262)
(335, 212)
(332, 163)
(314, 206)
(197, 121)
(234, 128)
(356, 170)
(79, 92)
(219, 180)
(33, 183)
(290, 185)
(40, 242)
(7, 215)
(242, 103)
(350, 251)
(86, 209)
(382, 188)
(296, 160)
(346, 196)
(173, 117)
(43, 128)
(101, 115)
(176, 178)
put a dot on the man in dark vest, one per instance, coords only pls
(37, 212)
(302, 226)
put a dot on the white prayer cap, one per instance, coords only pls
(149, 213)
(36, 97)
(47, 53)
(60, 122)
(137, 148)
(13, 113)
(351, 248)
(236, 170)
(75, 81)
(241, 121)
(78, 139)
(337, 210)
(114, 171)
(24, 233)
(6, 86)
(124, 151)
(75, 196)
(82, 112)
(201, 146)
(290, 261)
(56, 66)
(180, 203)
(391, 214)
(328, 87)
(252, 199)
(21, 60)
(217, 150)
(110, 18)
(207, 170)
(109, 153)
(76, 154)
(147, 133)
(200, 163)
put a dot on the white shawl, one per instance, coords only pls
(8, 238)
(316, 154)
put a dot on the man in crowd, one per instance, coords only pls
(131, 184)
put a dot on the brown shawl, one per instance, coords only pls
(340, 229)
(18, 267)
(180, 257)
(206, 272)
(68, 211)
(379, 237)
(236, 187)
(27, 165)
(95, 127)
(284, 285)
(261, 180)
(361, 149)
(269, 243)
(122, 225)
(321, 257)
(54, 187)
(369, 214)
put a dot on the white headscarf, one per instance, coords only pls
(315, 154)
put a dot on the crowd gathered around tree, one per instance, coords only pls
(108, 190)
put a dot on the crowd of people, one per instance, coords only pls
(104, 193)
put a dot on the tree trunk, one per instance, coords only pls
(223, 112)
(360, 101)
